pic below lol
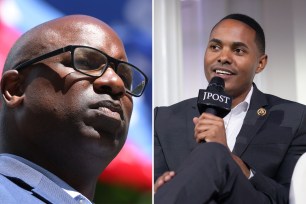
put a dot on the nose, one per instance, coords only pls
(109, 83)
(225, 57)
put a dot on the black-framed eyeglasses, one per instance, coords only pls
(93, 62)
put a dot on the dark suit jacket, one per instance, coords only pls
(270, 144)
(21, 184)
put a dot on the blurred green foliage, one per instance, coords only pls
(116, 194)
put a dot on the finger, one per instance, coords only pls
(163, 179)
(158, 184)
(201, 128)
(195, 120)
(171, 173)
(201, 121)
(200, 137)
(208, 124)
(167, 178)
(210, 116)
(208, 135)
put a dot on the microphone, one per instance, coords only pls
(214, 100)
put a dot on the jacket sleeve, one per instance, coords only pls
(160, 165)
(277, 189)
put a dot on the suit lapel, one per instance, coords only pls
(253, 121)
(190, 126)
(32, 180)
(52, 193)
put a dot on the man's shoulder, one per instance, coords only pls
(176, 113)
(181, 106)
(20, 182)
(276, 100)
(260, 98)
(10, 192)
(12, 187)
(294, 113)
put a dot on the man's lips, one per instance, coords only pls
(106, 117)
(109, 109)
(110, 113)
(223, 71)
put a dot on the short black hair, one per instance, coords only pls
(260, 35)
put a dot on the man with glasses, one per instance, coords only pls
(66, 106)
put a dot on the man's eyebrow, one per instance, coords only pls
(239, 44)
(215, 41)
(234, 44)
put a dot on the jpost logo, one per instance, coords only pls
(216, 97)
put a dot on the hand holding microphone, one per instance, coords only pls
(214, 100)
(213, 105)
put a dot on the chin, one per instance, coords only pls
(111, 142)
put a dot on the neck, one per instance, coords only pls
(239, 98)
(80, 173)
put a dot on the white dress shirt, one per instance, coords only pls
(234, 119)
(233, 122)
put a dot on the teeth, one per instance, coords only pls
(223, 72)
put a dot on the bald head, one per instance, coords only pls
(60, 32)
(62, 117)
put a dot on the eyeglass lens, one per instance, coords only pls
(92, 62)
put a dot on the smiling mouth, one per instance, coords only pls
(223, 72)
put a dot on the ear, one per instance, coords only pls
(11, 88)
(262, 63)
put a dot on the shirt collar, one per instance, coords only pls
(244, 105)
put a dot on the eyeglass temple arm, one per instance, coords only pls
(44, 56)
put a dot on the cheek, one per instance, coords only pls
(39, 97)
(127, 104)
(43, 99)
(209, 59)
(247, 68)
(206, 66)
(206, 59)
(39, 110)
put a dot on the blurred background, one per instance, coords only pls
(128, 179)
(181, 32)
